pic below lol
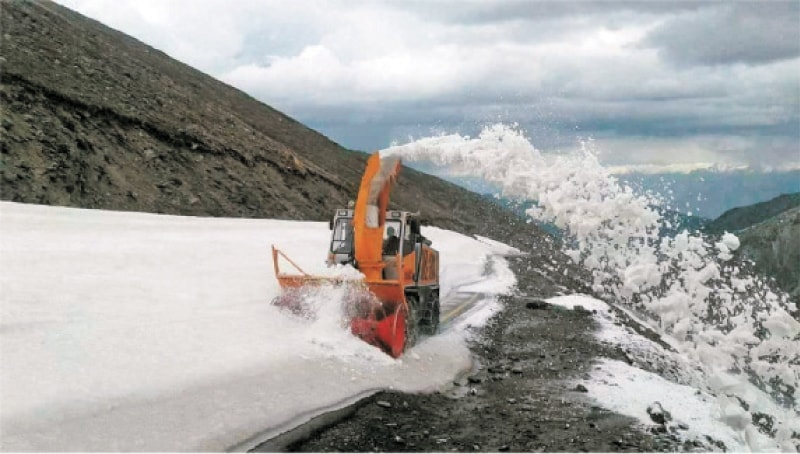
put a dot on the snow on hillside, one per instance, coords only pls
(137, 332)
(696, 410)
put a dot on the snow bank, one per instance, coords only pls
(723, 320)
(696, 405)
(629, 390)
(137, 332)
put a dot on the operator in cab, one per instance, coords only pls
(391, 243)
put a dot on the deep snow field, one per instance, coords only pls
(141, 332)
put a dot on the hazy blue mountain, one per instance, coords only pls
(774, 246)
(770, 236)
(519, 207)
(740, 218)
(709, 193)
(674, 222)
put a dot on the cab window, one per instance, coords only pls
(342, 242)
(395, 225)
(391, 243)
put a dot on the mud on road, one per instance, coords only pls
(519, 396)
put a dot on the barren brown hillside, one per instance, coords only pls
(94, 118)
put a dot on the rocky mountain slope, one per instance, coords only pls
(96, 119)
(740, 218)
(770, 236)
(774, 246)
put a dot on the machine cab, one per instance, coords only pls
(400, 233)
(341, 249)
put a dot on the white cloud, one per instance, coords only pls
(209, 35)
(734, 32)
(399, 67)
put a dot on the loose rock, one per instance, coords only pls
(537, 304)
(658, 414)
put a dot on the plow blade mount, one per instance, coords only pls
(293, 281)
(378, 311)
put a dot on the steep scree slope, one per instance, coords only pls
(774, 246)
(770, 236)
(96, 119)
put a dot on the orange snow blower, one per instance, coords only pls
(398, 297)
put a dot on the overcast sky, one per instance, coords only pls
(654, 83)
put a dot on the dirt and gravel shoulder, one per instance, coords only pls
(520, 396)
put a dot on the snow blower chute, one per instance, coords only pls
(398, 297)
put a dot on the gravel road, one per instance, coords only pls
(518, 397)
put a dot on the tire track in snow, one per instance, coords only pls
(457, 304)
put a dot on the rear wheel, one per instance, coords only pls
(434, 322)
(429, 322)
(412, 322)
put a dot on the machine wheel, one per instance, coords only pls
(434, 322)
(429, 323)
(412, 322)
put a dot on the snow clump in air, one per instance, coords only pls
(727, 245)
(726, 321)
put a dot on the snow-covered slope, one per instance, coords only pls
(128, 331)
(697, 410)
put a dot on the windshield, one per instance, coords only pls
(342, 241)
(394, 225)
(391, 240)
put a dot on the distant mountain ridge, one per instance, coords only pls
(709, 193)
(769, 233)
(743, 217)
(774, 246)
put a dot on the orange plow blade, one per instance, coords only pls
(388, 334)
(377, 310)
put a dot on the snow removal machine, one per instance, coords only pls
(397, 298)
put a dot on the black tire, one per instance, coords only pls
(412, 322)
(434, 322)
(429, 322)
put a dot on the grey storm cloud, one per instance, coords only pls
(736, 32)
(538, 10)
(675, 80)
